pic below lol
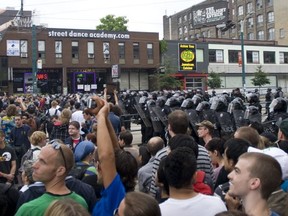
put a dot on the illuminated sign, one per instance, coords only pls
(42, 76)
(187, 57)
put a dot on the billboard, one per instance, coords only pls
(205, 15)
(187, 57)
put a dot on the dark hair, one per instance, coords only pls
(257, 126)
(183, 140)
(178, 121)
(161, 176)
(140, 204)
(127, 168)
(75, 124)
(179, 168)
(145, 155)
(216, 144)
(77, 105)
(126, 136)
(234, 148)
(267, 169)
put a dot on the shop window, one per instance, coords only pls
(216, 56)
(233, 56)
(269, 57)
(252, 57)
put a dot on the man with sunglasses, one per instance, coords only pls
(52, 166)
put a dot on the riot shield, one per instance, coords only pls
(156, 123)
(255, 118)
(271, 127)
(142, 115)
(193, 118)
(238, 116)
(226, 123)
(161, 115)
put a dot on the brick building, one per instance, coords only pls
(73, 60)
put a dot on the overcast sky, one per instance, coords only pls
(143, 16)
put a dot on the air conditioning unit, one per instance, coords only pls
(24, 55)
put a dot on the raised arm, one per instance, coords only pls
(104, 145)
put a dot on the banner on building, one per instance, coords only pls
(187, 57)
(115, 71)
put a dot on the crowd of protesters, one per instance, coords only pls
(73, 155)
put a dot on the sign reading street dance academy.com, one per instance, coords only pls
(187, 57)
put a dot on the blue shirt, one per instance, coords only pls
(111, 198)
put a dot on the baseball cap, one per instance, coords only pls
(283, 126)
(83, 149)
(206, 124)
(280, 155)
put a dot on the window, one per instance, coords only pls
(75, 50)
(260, 35)
(185, 18)
(24, 48)
(179, 19)
(282, 33)
(251, 36)
(269, 2)
(90, 49)
(240, 10)
(121, 50)
(216, 56)
(269, 57)
(250, 22)
(252, 57)
(41, 49)
(200, 55)
(136, 50)
(58, 49)
(209, 33)
(270, 16)
(271, 34)
(249, 7)
(283, 57)
(259, 4)
(180, 31)
(150, 51)
(106, 52)
(190, 16)
(185, 30)
(260, 19)
(233, 56)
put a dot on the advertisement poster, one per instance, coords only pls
(187, 57)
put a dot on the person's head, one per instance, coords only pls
(38, 138)
(11, 110)
(144, 155)
(92, 137)
(87, 114)
(74, 129)
(232, 213)
(234, 148)
(249, 134)
(283, 130)
(215, 148)
(257, 126)
(84, 151)
(205, 128)
(127, 168)
(27, 171)
(125, 138)
(65, 116)
(54, 103)
(53, 164)
(77, 105)
(180, 168)
(183, 140)
(154, 145)
(138, 203)
(66, 207)
(255, 173)
(178, 122)
(18, 120)
(161, 180)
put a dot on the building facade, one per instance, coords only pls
(73, 60)
(261, 19)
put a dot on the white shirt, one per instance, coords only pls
(201, 204)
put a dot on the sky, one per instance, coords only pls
(144, 16)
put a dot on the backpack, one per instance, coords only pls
(200, 185)
(27, 156)
(78, 171)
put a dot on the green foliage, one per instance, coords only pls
(214, 80)
(260, 77)
(163, 46)
(112, 23)
(166, 81)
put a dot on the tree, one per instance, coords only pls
(260, 77)
(112, 23)
(214, 80)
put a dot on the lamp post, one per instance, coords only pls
(34, 58)
(243, 57)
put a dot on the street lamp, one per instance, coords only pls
(243, 51)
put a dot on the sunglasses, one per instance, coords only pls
(57, 146)
(115, 212)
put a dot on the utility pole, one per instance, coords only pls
(34, 57)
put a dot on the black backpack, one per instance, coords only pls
(78, 171)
